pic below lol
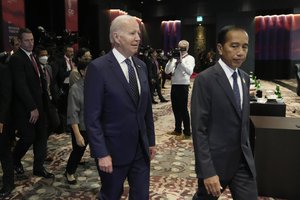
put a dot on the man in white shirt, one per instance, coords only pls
(181, 68)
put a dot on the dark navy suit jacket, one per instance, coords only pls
(115, 124)
(220, 130)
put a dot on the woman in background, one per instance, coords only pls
(76, 121)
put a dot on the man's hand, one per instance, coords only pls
(152, 152)
(34, 116)
(105, 164)
(1, 127)
(213, 186)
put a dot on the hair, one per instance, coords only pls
(21, 31)
(117, 24)
(66, 47)
(12, 40)
(39, 48)
(82, 65)
(184, 43)
(81, 52)
(222, 35)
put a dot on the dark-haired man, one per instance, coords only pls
(29, 95)
(220, 122)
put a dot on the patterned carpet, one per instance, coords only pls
(172, 170)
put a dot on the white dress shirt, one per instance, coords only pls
(229, 71)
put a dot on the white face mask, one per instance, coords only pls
(43, 59)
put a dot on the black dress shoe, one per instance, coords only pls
(43, 173)
(19, 169)
(4, 192)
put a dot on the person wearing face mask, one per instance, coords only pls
(76, 120)
(83, 55)
(181, 68)
(52, 88)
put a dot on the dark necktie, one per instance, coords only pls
(236, 90)
(71, 64)
(132, 81)
(35, 65)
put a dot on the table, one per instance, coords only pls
(277, 156)
(268, 109)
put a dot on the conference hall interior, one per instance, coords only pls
(273, 64)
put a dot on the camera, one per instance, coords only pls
(175, 53)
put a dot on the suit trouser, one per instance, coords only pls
(6, 159)
(156, 86)
(137, 174)
(76, 153)
(62, 109)
(31, 134)
(242, 186)
(179, 98)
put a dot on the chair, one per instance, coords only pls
(297, 71)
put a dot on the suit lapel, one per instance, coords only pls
(140, 77)
(224, 83)
(245, 91)
(119, 74)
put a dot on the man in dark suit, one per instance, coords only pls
(118, 114)
(220, 122)
(5, 138)
(29, 96)
(64, 68)
(154, 75)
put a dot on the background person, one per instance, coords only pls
(181, 68)
(29, 96)
(5, 137)
(75, 118)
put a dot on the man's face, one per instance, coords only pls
(128, 39)
(235, 49)
(27, 41)
(16, 45)
(69, 52)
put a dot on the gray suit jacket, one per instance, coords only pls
(220, 132)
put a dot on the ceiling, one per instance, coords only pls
(191, 8)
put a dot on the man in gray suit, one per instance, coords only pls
(220, 122)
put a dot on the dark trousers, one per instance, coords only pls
(156, 86)
(242, 186)
(76, 153)
(31, 134)
(179, 98)
(137, 174)
(6, 159)
(62, 109)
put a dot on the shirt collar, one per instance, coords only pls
(120, 58)
(228, 71)
(27, 52)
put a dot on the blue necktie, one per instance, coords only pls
(132, 81)
(236, 90)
